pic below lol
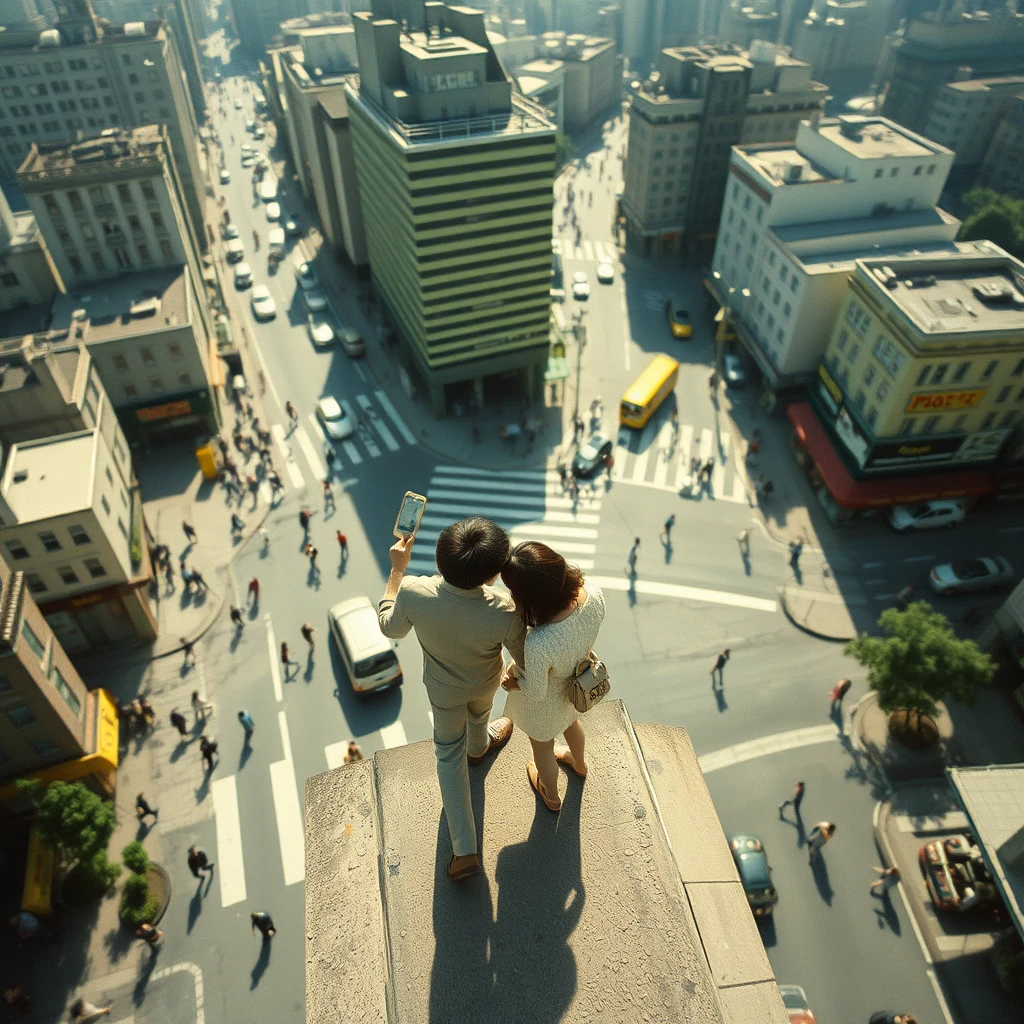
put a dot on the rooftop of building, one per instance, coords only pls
(785, 164)
(51, 476)
(17, 356)
(985, 84)
(541, 66)
(25, 232)
(113, 149)
(24, 320)
(978, 292)
(427, 46)
(123, 307)
(574, 47)
(871, 137)
(49, 40)
(334, 105)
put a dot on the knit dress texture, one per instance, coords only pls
(541, 706)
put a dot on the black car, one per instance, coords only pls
(591, 456)
(756, 876)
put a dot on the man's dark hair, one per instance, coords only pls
(471, 552)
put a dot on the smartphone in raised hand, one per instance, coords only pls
(409, 514)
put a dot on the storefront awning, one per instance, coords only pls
(557, 369)
(852, 493)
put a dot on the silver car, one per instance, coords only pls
(333, 418)
(315, 300)
(968, 575)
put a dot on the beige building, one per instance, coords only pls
(543, 81)
(743, 21)
(27, 274)
(593, 75)
(1003, 165)
(72, 522)
(339, 199)
(841, 37)
(684, 121)
(84, 76)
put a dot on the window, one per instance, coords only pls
(878, 172)
(144, 255)
(771, 260)
(1004, 393)
(60, 684)
(158, 221)
(21, 716)
(105, 504)
(930, 424)
(940, 373)
(858, 318)
(853, 353)
(794, 284)
(787, 309)
(29, 636)
(872, 416)
(931, 168)
(79, 535)
(882, 390)
(120, 363)
(110, 477)
(869, 376)
(184, 379)
(990, 369)
(860, 399)
(49, 540)
(906, 428)
(1008, 419)
(917, 169)
(95, 567)
(147, 357)
(922, 377)
(156, 384)
(67, 574)
(6, 686)
(961, 372)
(987, 422)
(894, 172)
(16, 549)
(776, 297)
(44, 746)
(783, 274)
(35, 583)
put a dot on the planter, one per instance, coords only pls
(159, 896)
(914, 731)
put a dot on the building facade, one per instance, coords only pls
(27, 274)
(842, 37)
(796, 218)
(683, 123)
(84, 77)
(1002, 167)
(922, 381)
(455, 176)
(743, 22)
(341, 213)
(592, 76)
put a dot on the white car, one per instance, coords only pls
(263, 307)
(243, 275)
(273, 211)
(971, 574)
(926, 515)
(291, 225)
(605, 271)
(238, 104)
(335, 422)
(306, 276)
(248, 160)
(321, 333)
(352, 343)
(231, 231)
(245, 148)
(315, 300)
(225, 176)
(234, 250)
(249, 124)
(580, 285)
(258, 133)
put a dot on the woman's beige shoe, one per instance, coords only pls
(564, 754)
(538, 787)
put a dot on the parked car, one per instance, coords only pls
(733, 370)
(258, 132)
(231, 231)
(315, 300)
(956, 874)
(605, 271)
(678, 320)
(369, 656)
(334, 419)
(234, 250)
(225, 176)
(248, 159)
(967, 575)
(243, 275)
(580, 285)
(238, 104)
(273, 211)
(352, 342)
(263, 306)
(798, 1009)
(306, 276)
(755, 874)
(321, 333)
(591, 455)
(293, 225)
(925, 515)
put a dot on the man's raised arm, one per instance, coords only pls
(393, 622)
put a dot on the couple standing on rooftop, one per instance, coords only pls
(547, 622)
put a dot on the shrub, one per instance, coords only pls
(138, 904)
(90, 879)
(135, 857)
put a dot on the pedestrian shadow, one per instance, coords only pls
(796, 822)
(254, 609)
(820, 871)
(342, 567)
(261, 964)
(117, 942)
(235, 641)
(667, 544)
(797, 572)
(745, 557)
(245, 754)
(147, 965)
(308, 674)
(631, 590)
(203, 789)
(143, 830)
(720, 702)
(313, 578)
(195, 907)
(886, 915)
(179, 748)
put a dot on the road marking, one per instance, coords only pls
(393, 735)
(229, 841)
(386, 435)
(310, 452)
(362, 373)
(656, 589)
(739, 490)
(287, 811)
(646, 443)
(532, 529)
(275, 668)
(872, 565)
(294, 473)
(502, 513)
(686, 447)
(365, 436)
(539, 501)
(385, 404)
(588, 251)
(352, 452)
(725, 757)
(920, 558)
(665, 451)
(335, 754)
(536, 475)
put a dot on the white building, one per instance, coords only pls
(543, 81)
(795, 218)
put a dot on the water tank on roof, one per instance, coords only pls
(49, 37)
(135, 28)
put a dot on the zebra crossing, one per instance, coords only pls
(591, 252)
(528, 504)
(660, 456)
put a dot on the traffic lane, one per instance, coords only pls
(853, 953)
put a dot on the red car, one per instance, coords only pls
(956, 875)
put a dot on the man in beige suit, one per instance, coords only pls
(462, 625)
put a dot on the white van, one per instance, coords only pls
(369, 656)
(275, 240)
(243, 275)
(234, 250)
(268, 188)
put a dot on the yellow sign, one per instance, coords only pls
(833, 387)
(163, 412)
(943, 401)
(107, 728)
(37, 892)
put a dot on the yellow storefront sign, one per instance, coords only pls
(944, 401)
(833, 388)
(37, 892)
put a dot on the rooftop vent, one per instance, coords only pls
(21, 476)
(49, 37)
(792, 171)
(148, 306)
(992, 291)
(851, 126)
(135, 28)
(920, 282)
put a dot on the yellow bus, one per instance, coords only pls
(648, 391)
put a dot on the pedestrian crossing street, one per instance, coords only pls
(660, 457)
(529, 504)
(383, 431)
(591, 252)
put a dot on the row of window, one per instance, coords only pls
(69, 576)
(935, 374)
(121, 257)
(894, 171)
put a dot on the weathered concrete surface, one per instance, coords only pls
(580, 917)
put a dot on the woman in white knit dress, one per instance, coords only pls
(563, 613)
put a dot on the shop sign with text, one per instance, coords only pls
(945, 401)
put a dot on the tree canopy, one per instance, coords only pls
(71, 819)
(996, 217)
(920, 661)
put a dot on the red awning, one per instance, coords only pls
(852, 493)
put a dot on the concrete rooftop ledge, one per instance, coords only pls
(583, 917)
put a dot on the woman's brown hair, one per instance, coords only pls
(541, 581)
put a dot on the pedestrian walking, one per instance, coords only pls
(149, 933)
(667, 532)
(190, 534)
(264, 538)
(262, 920)
(186, 575)
(198, 862)
(634, 554)
(147, 713)
(286, 660)
(795, 548)
(247, 724)
(309, 635)
(887, 879)
(796, 800)
(143, 809)
(353, 753)
(197, 579)
(179, 723)
(719, 667)
(189, 647)
(819, 835)
(343, 546)
(837, 693)
(82, 1011)
(290, 410)
(328, 495)
(236, 617)
(709, 468)
(743, 539)
(304, 515)
(208, 749)
(169, 574)
(254, 590)
(200, 706)
(237, 523)
(312, 551)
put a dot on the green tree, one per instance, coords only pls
(135, 857)
(71, 819)
(563, 150)
(995, 217)
(919, 662)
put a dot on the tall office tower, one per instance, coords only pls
(257, 24)
(180, 16)
(21, 16)
(743, 21)
(84, 76)
(455, 174)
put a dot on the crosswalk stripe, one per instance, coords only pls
(352, 452)
(399, 423)
(393, 735)
(290, 827)
(739, 489)
(364, 435)
(686, 447)
(376, 424)
(229, 841)
(600, 252)
(646, 443)
(665, 436)
(275, 666)
(335, 754)
(552, 490)
(501, 512)
(526, 531)
(706, 444)
(508, 474)
(588, 251)
(310, 452)
(295, 474)
(540, 500)
(266, 493)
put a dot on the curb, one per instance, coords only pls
(804, 628)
